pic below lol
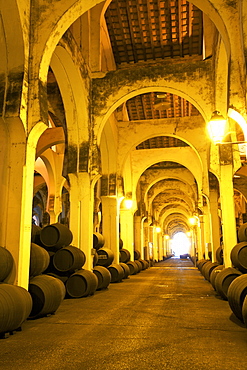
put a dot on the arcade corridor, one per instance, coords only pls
(123, 127)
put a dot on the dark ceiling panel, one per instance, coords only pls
(143, 107)
(143, 30)
(161, 142)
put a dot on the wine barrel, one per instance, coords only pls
(124, 255)
(242, 232)
(39, 260)
(207, 269)
(219, 255)
(137, 254)
(126, 269)
(98, 240)
(105, 257)
(204, 266)
(47, 294)
(69, 259)
(236, 294)
(144, 264)
(120, 243)
(56, 236)
(133, 267)
(224, 279)
(210, 255)
(6, 263)
(35, 234)
(95, 259)
(200, 263)
(244, 311)
(63, 277)
(15, 307)
(81, 284)
(103, 276)
(214, 274)
(139, 265)
(117, 273)
(239, 256)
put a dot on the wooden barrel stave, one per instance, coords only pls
(69, 259)
(117, 273)
(103, 276)
(39, 260)
(6, 263)
(81, 284)
(47, 294)
(15, 307)
(56, 236)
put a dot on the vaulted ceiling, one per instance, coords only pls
(149, 31)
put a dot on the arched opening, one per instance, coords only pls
(180, 244)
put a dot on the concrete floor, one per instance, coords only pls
(166, 317)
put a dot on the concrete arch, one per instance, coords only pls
(175, 219)
(142, 132)
(50, 137)
(173, 210)
(74, 92)
(179, 191)
(139, 162)
(13, 61)
(62, 17)
(128, 91)
(185, 177)
(50, 26)
(108, 148)
(216, 16)
(170, 200)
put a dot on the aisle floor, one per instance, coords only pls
(165, 317)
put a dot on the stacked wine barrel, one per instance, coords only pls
(126, 267)
(134, 266)
(106, 270)
(15, 302)
(60, 271)
(6, 263)
(230, 283)
(237, 291)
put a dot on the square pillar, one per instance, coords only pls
(81, 215)
(110, 224)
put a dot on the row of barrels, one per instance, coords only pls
(230, 283)
(56, 272)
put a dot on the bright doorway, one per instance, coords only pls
(180, 244)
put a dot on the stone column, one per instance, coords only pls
(155, 245)
(198, 231)
(110, 224)
(18, 194)
(228, 212)
(207, 231)
(143, 244)
(213, 199)
(127, 230)
(81, 215)
(146, 240)
(161, 246)
(138, 234)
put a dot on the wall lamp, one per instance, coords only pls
(128, 203)
(217, 128)
(194, 220)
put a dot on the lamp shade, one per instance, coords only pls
(217, 127)
(192, 220)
